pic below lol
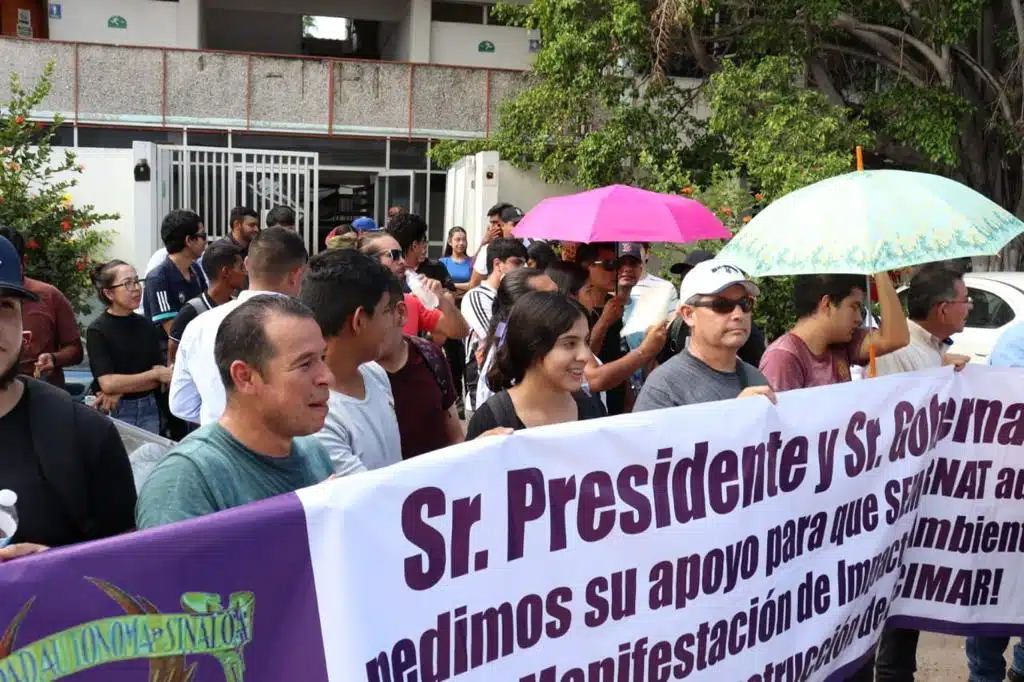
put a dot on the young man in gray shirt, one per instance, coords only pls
(716, 302)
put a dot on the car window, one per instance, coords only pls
(989, 312)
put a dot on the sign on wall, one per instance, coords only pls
(117, 22)
(56, 10)
(24, 23)
(485, 46)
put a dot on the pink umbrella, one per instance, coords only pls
(621, 214)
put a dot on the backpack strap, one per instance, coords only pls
(435, 360)
(677, 333)
(504, 410)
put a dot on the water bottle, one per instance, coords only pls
(415, 282)
(8, 516)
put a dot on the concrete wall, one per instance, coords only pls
(458, 45)
(475, 183)
(162, 24)
(108, 184)
(127, 85)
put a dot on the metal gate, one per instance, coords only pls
(213, 180)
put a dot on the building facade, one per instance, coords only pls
(234, 102)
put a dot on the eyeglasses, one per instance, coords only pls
(395, 254)
(199, 235)
(724, 306)
(130, 284)
(606, 265)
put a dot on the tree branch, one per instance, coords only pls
(707, 63)
(941, 66)
(1004, 102)
(1018, 20)
(877, 59)
(823, 80)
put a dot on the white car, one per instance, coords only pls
(998, 299)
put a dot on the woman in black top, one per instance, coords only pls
(124, 348)
(539, 369)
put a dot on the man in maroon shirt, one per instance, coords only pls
(55, 341)
(828, 337)
(424, 392)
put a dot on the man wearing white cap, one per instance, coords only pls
(716, 303)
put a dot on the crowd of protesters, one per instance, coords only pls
(274, 370)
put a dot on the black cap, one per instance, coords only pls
(511, 214)
(12, 282)
(632, 249)
(692, 258)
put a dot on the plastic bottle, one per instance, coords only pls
(415, 282)
(8, 516)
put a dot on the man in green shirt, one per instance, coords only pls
(270, 355)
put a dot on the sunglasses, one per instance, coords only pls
(396, 254)
(724, 306)
(606, 265)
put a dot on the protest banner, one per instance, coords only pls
(726, 541)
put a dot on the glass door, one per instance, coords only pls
(396, 189)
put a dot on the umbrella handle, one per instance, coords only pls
(872, 364)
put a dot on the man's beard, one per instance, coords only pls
(11, 373)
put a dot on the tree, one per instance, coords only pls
(792, 87)
(939, 85)
(60, 239)
(599, 109)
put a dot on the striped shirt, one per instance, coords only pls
(477, 305)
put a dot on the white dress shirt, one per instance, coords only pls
(924, 351)
(197, 392)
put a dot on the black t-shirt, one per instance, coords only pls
(612, 349)
(123, 345)
(490, 414)
(189, 312)
(42, 515)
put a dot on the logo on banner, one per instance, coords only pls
(204, 627)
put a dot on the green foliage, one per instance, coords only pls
(783, 135)
(728, 196)
(588, 115)
(926, 119)
(34, 183)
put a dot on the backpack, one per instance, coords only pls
(436, 361)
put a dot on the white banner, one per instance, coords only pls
(727, 541)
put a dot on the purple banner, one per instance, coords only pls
(225, 598)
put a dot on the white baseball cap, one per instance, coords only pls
(713, 277)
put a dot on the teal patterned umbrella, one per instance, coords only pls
(871, 221)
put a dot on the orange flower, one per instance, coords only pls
(13, 166)
(19, 120)
(746, 219)
(687, 190)
(31, 244)
(726, 211)
(759, 197)
(65, 225)
(80, 265)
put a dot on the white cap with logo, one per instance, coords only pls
(713, 277)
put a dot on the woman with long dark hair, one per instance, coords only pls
(513, 287)
(538, 372)
(455, 260)
(124, 348)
